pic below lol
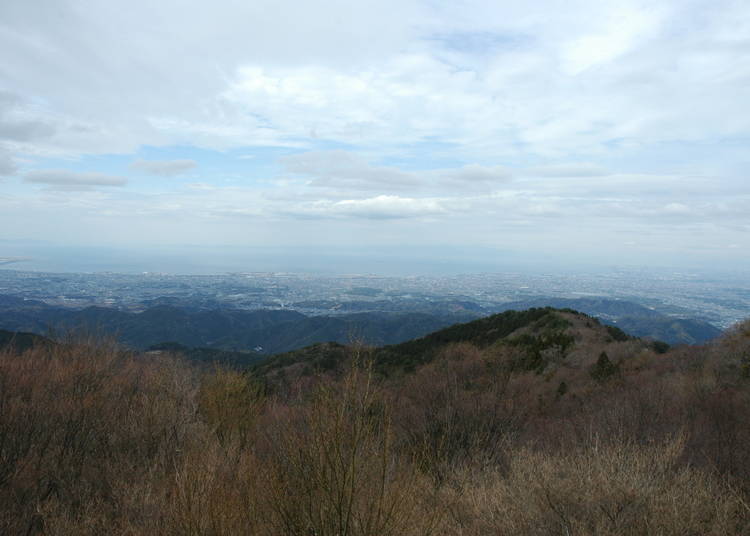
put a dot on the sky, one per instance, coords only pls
(554, 131)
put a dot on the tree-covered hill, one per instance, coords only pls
(535, 339)
(633, 318)
(270, 331)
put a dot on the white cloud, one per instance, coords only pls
(407, 98)
(165, 168)
(568, 170)
(61, 177)
(676, 209)
(342, 169)
(485, 78)
(474, 174)
(348, 171)
(382, 207)
(623, 28)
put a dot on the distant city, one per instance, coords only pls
(719, 301)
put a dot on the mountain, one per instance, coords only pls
(369, 328)
(671, 330)
(603, 308)
(270, 331)
(277, 331)
(465, 309)
(208, 356)
(530, 340)
(631, 317)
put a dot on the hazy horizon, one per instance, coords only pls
(380, 261)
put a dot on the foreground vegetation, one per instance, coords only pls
(554, 426)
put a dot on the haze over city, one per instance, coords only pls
(416, 133)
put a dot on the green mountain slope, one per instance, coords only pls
(530, 340)
(274, 331)
(633, 318)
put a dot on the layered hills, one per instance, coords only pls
(272, 331)
(633, 318)
(268, 331)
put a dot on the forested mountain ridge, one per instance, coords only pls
(633, 318)
(271, 330)
(282, 330)
(537, 339)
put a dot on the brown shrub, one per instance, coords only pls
(215, 491)
(79, 425)
(230, 403)
(94, 440)
(457, 410)
(334, 472)
(598, 489)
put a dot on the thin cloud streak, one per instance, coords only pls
(61, 177)
(164, 168)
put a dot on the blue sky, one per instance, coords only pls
(614, 131)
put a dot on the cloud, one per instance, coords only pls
(679, 209)
(24, 130)
(11, 260)
(382, 207)
(7, 166)
(406, 99)
(343, 169)
(388, 207)
(431, 104)
(348, 171)
(568, 170)
(64, 178)
(17, 128)
(476, 174)
(526, 98)
(8, 99)
(622, 29)
(482, 78)
(164, 168)
(19, 123)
